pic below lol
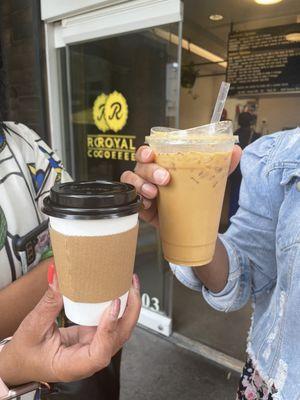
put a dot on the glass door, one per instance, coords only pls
(114, 90)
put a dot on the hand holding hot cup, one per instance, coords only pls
(40, 351)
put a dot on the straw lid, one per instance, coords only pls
(213, 133)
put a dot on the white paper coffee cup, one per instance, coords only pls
(93, 228)
(89, 314)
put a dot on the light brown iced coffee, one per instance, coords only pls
(190, 206)
(194, 195)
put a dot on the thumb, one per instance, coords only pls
(42, 317)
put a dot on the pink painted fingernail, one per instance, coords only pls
(146, 204)
(160, 176)
(146, 153)
(148, 189)
(136, 282)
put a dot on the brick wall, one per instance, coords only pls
(22, 68)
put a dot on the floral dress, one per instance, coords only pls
(252, 386)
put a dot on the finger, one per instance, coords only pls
(109, 318)
(96, 354)
(77, 334)
(43, 316)
(144, 154)
(132, 312)
(235, 158)
(144, 188)
(69, 336)
(103, 343)
(146, 204)
(150, 214)
(153, 173)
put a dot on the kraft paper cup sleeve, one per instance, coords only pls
(94, 269)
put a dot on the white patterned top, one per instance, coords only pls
(28, 169)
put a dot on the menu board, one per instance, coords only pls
(263, 61)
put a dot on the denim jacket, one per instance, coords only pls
(263, 246)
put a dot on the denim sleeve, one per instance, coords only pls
(236, 292)
(250, 239)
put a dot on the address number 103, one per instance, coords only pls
(150, 302)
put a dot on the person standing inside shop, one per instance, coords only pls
(28, 169)
(257, 257)
(246, 135)
(246, 132)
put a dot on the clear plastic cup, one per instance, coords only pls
(189, 208)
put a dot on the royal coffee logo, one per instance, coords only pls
(110, 112)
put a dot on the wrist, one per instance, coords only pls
(5, 363)
(213, 276)
(12, 384)
(10, 366)
(8, 389)
(4, 390)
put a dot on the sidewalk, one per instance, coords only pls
(155, 369)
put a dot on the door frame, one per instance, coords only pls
(90, 20)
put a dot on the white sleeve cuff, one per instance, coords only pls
(237, 290)
(187, 277)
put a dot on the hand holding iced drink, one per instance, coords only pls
(190, 206)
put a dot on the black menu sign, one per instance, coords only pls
(264, 61)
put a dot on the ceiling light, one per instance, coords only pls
(192, 47)
(267, 2)
(216, 17)
(293, 37)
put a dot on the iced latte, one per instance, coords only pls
(190, 206)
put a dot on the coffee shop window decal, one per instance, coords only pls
(110, 114)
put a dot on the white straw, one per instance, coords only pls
(220, 103)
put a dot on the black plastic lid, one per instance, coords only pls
(91, 200)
